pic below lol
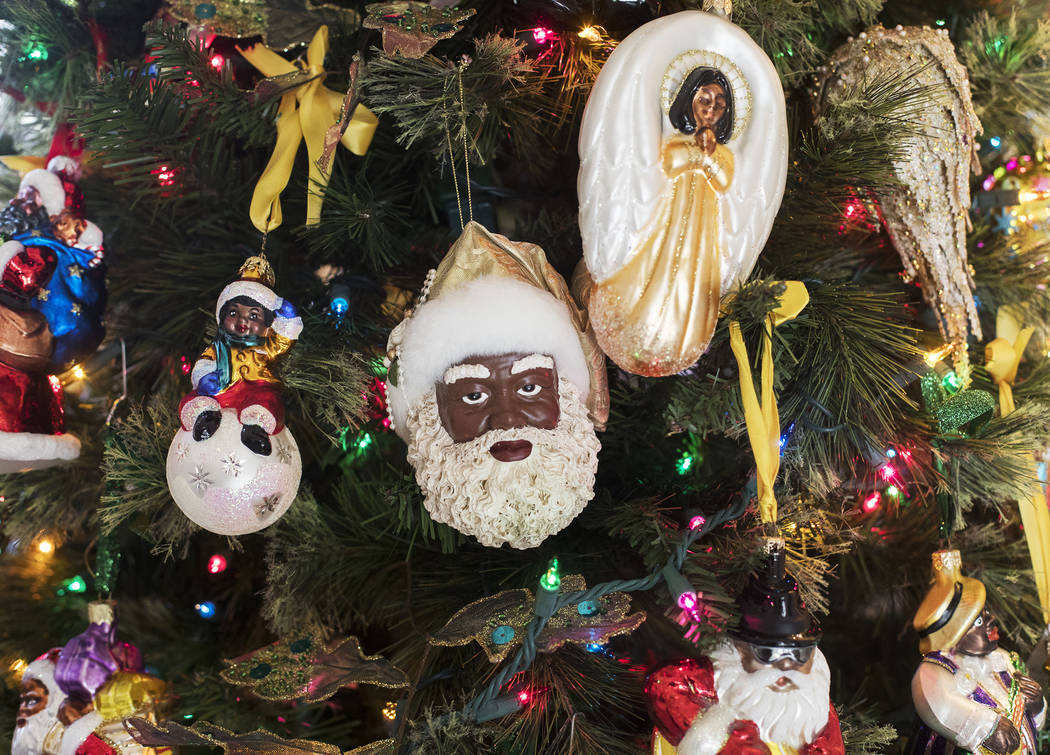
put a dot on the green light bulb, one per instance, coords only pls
(551, 580)
(951, 382)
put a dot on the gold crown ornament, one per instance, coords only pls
(257, 269)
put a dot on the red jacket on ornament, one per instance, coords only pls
(680, 691)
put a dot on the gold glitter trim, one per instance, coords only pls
(690, 60)
(303, 667)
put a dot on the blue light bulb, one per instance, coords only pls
(205, 609)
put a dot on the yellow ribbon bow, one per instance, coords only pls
(306, 112)
(762, 419)
(1002, 357)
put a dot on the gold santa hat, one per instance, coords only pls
(492, 296)
(950, 607)
(255, 280)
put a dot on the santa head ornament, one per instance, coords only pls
(496, 384)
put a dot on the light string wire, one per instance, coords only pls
(526, 654)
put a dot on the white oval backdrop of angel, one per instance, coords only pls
(683, 158)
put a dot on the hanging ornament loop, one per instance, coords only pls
(763, 422)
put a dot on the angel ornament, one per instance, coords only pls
(683, 155)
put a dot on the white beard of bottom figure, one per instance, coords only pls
(29, 739)
(521, 502)
(792, 718)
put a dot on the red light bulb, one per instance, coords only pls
(871, 503)
(217, 564)
(217, 61)
(524, 696)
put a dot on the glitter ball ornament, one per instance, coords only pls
(683, 157)
(228, 487)
(233, 467)
(927, 217)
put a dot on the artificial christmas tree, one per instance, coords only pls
(829, 403)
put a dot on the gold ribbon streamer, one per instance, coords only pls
(761, 417)
(1002, 357)
(305, 113)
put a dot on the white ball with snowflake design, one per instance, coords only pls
(230, 478)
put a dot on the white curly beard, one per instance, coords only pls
(520, 503)
(29, 739)
(791, 719)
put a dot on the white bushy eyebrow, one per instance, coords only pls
(463, 371)
(532, 362)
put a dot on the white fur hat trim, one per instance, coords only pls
(48, 186)
(43, 669)
(90, 238)
(253, 290)
(65, 164)
(489, 316)
(8, 251)
(24, 451)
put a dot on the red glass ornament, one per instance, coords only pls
(676, 692)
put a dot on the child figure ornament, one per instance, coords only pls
(683, 158)
(968, 691)
(233, 467)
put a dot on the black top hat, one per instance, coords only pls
(771, 609)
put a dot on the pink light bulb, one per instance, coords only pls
(687, 601)
(696, 522)
(542, 36)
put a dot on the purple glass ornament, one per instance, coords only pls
(87, 661)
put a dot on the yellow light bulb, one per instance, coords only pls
(78, 372)
(45, 546)
(18, 666)
(932, 357)
(390, 711)
(590, 34)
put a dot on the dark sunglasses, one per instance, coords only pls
(767, 654)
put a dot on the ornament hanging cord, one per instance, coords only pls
(760, 414)
(124, 381)
(466, 156)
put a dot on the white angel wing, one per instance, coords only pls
(621, 183)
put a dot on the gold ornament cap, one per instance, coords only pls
(951, 605)
(257, 269)
(101, 611)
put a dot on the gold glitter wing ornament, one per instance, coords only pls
(928, 217)
(206, 734)
(412, 28)
(498, 622)
(304, 667)
(683, 158)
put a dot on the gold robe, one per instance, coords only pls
(655, 316)
(254, 362)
